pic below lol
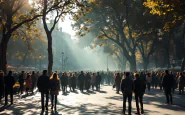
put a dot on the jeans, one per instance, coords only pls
(52, 98)
(168, 95)
(42, 99)
(117, 88)
(139, 99)
(129, 96)
(11, 96)
(148, 85)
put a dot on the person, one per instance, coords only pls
(168, 84)
(62, 81)
(28, 83)
(69, 81)
(1, 84)
(81, 81)
(21, 82)
(98, 81)
(55, 87)
(93, 81)
(117, 82)
(34, 80)
(9, 82)
(139, 91)
(127, 86)
(43, 86)
(87, 81)
(73, 82)
(181, 82)
(148, 81)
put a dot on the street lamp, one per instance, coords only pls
(62, 59)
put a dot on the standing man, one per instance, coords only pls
(9, 83)
(98, 81)
(168, 85)
(21, 82)
(139, 91)
(43, 86)
(81, 81)
(127, 86)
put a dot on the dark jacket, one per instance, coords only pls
(117, 80)
(98, 78)
(21, 79)
(73, 82)
(9, 82)
(167, 81)
(1, 84)
(64, 80)
(140, 86)
(127, 85)
(43, 83)
(81, 78)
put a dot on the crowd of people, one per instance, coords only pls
(126, 82)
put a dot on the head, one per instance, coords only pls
(45, 71)
(136, 76)
(1, 73)
(166, 72)
(10, 73)
(98, 73)
(28, 76)
(55, 76)
(82, 72)
(127, 74)
(22, 72)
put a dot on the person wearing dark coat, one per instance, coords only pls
(43, 86)
(73, 82)
(117, 82)
(139, 91)
(1, 84)
(81, 81)
(9, 82)
(98, 81)
(127, 87)
(87, 81)
(168, 85)
(21, 82)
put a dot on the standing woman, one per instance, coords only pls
(1, 84)
(28, 83)
(148, 81)
(55, 87)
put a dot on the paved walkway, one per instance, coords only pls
(104, 102)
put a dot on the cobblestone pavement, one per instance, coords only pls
(104, 102)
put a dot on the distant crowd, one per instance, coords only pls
(126, 82)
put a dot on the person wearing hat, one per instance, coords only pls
(127, 87)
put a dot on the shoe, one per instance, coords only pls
(52, 107)
(142, 112)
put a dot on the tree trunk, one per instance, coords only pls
(50, 53)
(183, 64)
(3, 61)
(132, 62)
(145, 63)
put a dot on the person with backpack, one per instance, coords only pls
(43, 86)
(127, 87)
(55, 87)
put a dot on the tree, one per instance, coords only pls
(57, 10)
(11, 19)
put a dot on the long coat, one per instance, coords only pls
(1, 84)
(54, 86)
(43, 84)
